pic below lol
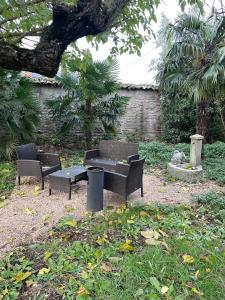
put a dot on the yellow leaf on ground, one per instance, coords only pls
(195, 291)
(126, 247)
(82, 291)
(197, 274)
(43, 271)
(158, 217)
(29, 211)
(150, 234)
(2, 204)
(72, 223)
(188, 259)
(20, 276)
(101, 241)
(129, 221)
(105, 268)
(152, 242)
(164, 290)
(37, 188)
(144, 214)
(20, 193)
(29, 282)
(47, 255)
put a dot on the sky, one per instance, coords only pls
(133, 68)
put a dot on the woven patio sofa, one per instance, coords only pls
(30, 162)
(110, 153)
(126, 179)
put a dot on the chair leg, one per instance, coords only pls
(126, 201)
(49, 192)
(69, 197)
(142, 191)
(19, 180)
(42, 183)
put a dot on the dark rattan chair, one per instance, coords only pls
(127, 179)
(30, 162)
(110, 153)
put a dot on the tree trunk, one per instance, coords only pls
(202, 118)
(202, 121)
(88, 124)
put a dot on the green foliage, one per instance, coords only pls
(18, 112)
(83, 260)
(91, 102)
(159, 154)
(192, 69)
(7, 178)
(131, 29)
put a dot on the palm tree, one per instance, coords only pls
(19, 111)
(195, 62)
(90, 100)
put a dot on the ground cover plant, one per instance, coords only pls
(158, 154)
(7, 179)
(152, 252)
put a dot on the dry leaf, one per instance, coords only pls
(105, 268)
(43, 271)
(47, 255)
(20, 276)
(164, 290)
(82, 291)
(188, 259)
(72, 223)
(126, 247)
(144, 214)
(29, 211)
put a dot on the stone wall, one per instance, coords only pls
(140, 121)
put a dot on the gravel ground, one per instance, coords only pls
(30, 213)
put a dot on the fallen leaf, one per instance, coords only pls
(188, 259)
(29, 211)
(195, 291)
(20, 193)
(82, 291)
(72, 223)
(20, 276)
(43, 271)
(47, 255)
(164, 290)
(101, 241)
(150, 234)
(197, 274)
(129, 221)
(105, 268)
(144, 214)
(2, 204)
(29, 283)
(126, 247)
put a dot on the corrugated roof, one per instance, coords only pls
(127, 86)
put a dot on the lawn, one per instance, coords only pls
(152, 252)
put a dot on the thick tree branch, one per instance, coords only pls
(69, 23)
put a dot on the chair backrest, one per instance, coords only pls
(28, 151)
(116, 150)
(134, 180)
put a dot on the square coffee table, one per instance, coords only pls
(62, 180)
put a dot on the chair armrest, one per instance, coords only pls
(91, 154)
(49, 159)
(122, 168)
(133, 157)
(115, 182)
(28, 168)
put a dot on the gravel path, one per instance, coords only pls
(30, 213)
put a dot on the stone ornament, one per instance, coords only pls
(178, 157)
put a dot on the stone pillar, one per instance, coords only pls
(196, 150)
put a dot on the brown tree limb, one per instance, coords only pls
(87, 17)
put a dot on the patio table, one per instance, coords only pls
(62, 180)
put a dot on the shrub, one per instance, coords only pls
(18, 112)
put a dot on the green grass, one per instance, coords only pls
(91, 259)
(7, 178)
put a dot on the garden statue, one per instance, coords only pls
(188, 171)
(178, 157)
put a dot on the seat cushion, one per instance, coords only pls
(105, 163)
(46, 170)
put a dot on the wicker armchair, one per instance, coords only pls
(127, 179)
(30, 162)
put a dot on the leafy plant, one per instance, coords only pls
(91, 102)
(7, 179)
(18, 112)
(194, 63)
